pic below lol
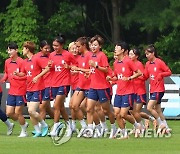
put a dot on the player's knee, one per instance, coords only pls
(123, 115)
(149, 108)
(9, 114)
(32, 112)
(89, 110)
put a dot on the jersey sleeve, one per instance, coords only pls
(104, 60)
(165, 69)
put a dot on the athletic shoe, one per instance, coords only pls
(37, 135)
(10, 129)
(97, 133)
(23, 134)
(161, 128)
(123, 137)
(33, 132)
(68, 132)
(118, 131)
(52, 134)
(88, 133)
(137, 133)
(81, 132)
(44, 131)
(113, 132)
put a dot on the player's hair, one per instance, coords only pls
(84, 41)
(43, 43)
(30, 45)
(151, 48)
(60, 38)
(97, 38)
(136, 51)
(123, 45)
(12, 45)
(70, 45)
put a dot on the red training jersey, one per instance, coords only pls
(43, 62)
(83, 62)
(60, 76)
(17, 87)
(98, 78)
(153, 70)
(32, 69)
(139, 83)
(124, 68)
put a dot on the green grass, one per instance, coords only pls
(30, 145)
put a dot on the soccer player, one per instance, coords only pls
(43, 59)
(81, 92)
(99, 86)
(74, 81)
(4, 118)
(123, 73)
(140, 92)
(16, 95)
(60, 75)
(156, 70)
(35, 88)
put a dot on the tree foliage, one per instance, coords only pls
(68, 20)
(20, 22)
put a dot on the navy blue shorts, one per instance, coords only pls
(157, 96)
(101, 95)
(13, 100)
(47, 94)
(123, 101)
(35, 96)
(86, 92)
(62, 90)
(140, 98)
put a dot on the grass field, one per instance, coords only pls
(30, 145)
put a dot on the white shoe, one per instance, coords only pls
(113, 132)
(88, 133)
(68, 132)
(10, 129)
(160, 128)
(52, 134)
(23, 134)
(97, 133)
(81, 132)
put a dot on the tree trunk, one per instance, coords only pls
(116, 5)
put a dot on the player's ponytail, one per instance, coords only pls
(60, 38)
(151, 48)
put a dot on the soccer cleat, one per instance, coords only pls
(23, 134)
(37, 135)
(113, 132)
(44, 131)
(10, 129)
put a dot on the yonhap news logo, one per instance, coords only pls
(62, 136)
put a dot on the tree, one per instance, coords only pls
(67, 20)
(20, 22)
